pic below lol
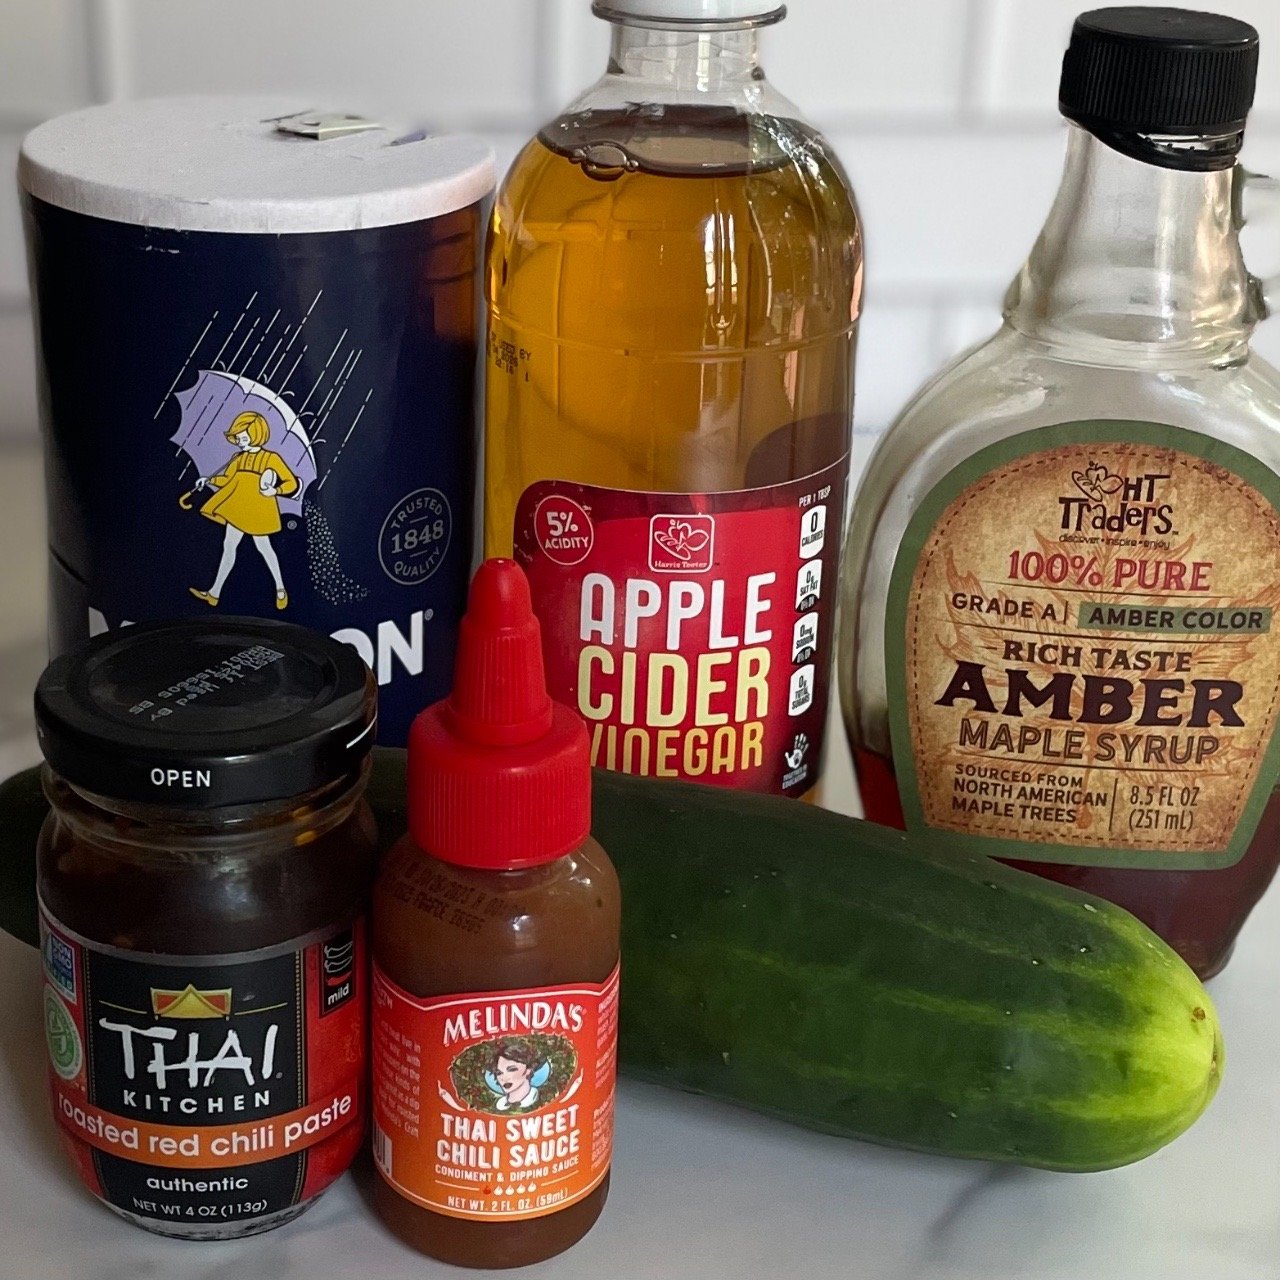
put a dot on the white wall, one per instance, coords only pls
(944, 112)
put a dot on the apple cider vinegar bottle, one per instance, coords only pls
(673, 281)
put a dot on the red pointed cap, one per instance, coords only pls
(499, 776)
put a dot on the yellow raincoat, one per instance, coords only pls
(239, 500)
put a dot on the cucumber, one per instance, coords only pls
(839, 975)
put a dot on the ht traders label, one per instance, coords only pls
(497, 1105)
(693, 632)
(208, 1091)
(1084, 662)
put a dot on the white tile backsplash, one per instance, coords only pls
(1266, 340)
(836, 61)
(1027, 38)
(959, 328)
(896, 353)
(580, 49)
(893, 60)
(943, 111)
(951, 213)
(445, 61)
(44, 58)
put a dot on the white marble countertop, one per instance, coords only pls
(700, 1191)
(705, 1192)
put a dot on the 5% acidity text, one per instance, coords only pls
(1056, 568)
(561, 523)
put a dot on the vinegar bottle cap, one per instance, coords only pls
(749, 13)
(499, 775)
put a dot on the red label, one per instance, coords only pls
(498, 1105)
(207, 1090)
(691, 631)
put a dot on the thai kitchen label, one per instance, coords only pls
(1083, 652)
(692, 632)
(207, 1091)
(494, 1106)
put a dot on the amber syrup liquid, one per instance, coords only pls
(1198, 913)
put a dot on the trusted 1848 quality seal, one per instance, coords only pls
(415, 536)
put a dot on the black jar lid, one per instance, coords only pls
(204, 715)
(1136, 74)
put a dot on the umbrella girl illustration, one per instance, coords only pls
(244, 499)
(270, 466)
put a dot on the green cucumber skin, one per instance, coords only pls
(831, 972)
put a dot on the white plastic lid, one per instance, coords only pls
(709, 11)
(248, 165)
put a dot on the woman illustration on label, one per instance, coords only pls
(245, 501)
(517, 1075)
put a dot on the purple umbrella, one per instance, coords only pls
(214, 402)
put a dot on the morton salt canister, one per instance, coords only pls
(256, 329)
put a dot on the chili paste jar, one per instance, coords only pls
(203, 881)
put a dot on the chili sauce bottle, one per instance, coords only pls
(495, 991)
(674, 276)
(1058, 643)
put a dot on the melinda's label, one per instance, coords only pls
(494, 1106)
(288, 416)
(207, 1091)
(691, 631)
(1083, 658)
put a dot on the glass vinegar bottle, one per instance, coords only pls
(673, 282)
(1056, 644)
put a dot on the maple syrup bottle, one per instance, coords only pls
(674, 276)
(1058, 645)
